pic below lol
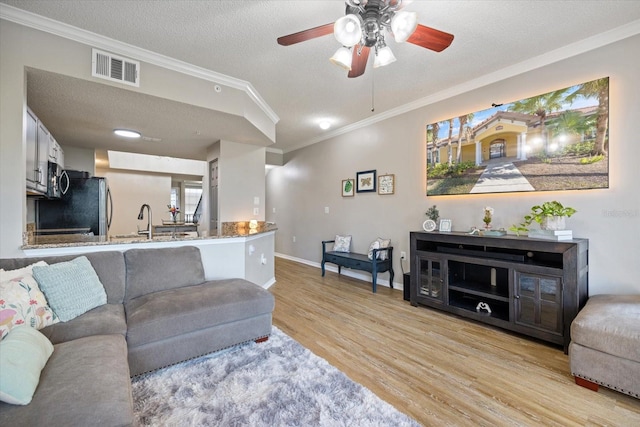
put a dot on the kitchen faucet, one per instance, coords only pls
(149, 222)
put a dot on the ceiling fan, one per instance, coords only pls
(364, 27)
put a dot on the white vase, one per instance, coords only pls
(553, 223)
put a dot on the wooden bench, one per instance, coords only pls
(360, 262)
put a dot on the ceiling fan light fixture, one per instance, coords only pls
(342, 57)
(384, 56)
(127, 133)
(403, 24)
(348, 30)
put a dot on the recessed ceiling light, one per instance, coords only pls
(324, 125)
(127, 133)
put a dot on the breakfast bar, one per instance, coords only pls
(236, 250)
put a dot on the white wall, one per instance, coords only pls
(241, 179)
(80, 159)
(129, 191)
(610, 218)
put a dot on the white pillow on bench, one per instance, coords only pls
(342, 243)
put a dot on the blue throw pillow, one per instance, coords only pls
(72, 288)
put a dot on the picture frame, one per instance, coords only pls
(348, 187)
(445, 225)
(386, 184)
(564, 149)
(366, 181)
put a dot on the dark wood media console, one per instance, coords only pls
(531, 286)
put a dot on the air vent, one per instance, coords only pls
(115, 68)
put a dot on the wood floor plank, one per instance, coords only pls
(438, 368)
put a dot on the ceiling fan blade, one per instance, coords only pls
(305, 35)
(359, 62)
(430, 38)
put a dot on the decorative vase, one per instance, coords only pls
(553, 223)
(487, 227)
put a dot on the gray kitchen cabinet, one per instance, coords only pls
(32, 151)
(42, 148)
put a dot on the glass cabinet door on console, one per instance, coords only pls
(431, 278)
(538, 301)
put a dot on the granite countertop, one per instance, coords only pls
(228, 230)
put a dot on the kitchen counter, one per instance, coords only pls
(236, 251)
(228, 230)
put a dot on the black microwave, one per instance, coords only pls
(57, 181)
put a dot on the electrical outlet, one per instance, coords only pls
(294, 239)
(256, 211)
(403, 255)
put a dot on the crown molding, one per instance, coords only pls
(591, 43)
(47, 25)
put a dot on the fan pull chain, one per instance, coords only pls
(373, 107)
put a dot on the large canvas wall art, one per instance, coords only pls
(550, 142)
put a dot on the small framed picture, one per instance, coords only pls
(366, 181)
(445, 225)
(386, 184)
(348, 187)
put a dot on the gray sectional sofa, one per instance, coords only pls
(160, 311)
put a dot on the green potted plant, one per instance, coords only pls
(550, 216)
(433, 214)
(432, 223)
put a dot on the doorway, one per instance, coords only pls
(496, 149)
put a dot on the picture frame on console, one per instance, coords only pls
(554, 141)
(445, 225)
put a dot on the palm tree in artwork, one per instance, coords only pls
(435, 130)
(463, 120)
(541, 106)
(600, 89)
(571, 123)
(450, 121)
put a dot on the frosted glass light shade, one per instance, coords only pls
(384, 57)
(403, 24)
(127, 133)
(348, 30)
(343, 58)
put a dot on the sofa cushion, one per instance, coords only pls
(160, 315)
(23, 354)
(85, 383)
(109, 266)
(610, 324)
(104, 320)
(72, 288)
(154, 270)
(22, 301)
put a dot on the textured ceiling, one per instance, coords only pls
(238, 39)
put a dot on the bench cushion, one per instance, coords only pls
(610, 324)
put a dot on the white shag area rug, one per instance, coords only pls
(275, 383)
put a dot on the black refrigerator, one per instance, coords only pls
(85, 207)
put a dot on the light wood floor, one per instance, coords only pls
(437, 368)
